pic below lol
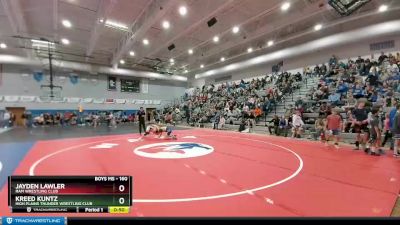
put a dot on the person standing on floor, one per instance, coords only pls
(333, 126)
(360, 125)
(396, 132)
(392, 116)
(375, 134)
(386, 130)
(6, 119)
(141, 117)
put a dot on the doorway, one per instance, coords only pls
(150, 113)
(18, 112)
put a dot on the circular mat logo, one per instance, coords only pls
(173, 150)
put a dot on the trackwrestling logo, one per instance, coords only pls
(173, 150)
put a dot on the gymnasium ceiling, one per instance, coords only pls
(93, 40)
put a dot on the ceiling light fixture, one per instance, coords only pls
(215, 39)
(201, 66)
(165, 24)
(2, 45)
(122, 61)
(42, 44)
(66, 23)
(222, 59)
(285, 6)
(171, 60)
(186, 71)
(145, 41)
(65, 41)
(235, 29)
(182, 10)
(132, 53)
(116, 25)
(249, 50)
(270, 43)
(318, 27)
(190, 51)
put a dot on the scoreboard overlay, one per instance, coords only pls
(74, 194)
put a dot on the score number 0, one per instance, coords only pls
(121, 188)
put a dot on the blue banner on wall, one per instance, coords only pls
(74, 78)
(38, 76)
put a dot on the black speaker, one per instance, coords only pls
(212, 22)
(171, 47)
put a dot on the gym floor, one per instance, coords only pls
(210, 173)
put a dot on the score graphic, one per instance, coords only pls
(75, 194)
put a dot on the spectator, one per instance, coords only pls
(274, 124)
(299, 105)
(168, 118)
(351, 102)
(358, 92)
(217, 118)
(332, 62)
(342, 88)
(113, 122)
(396, 132)
(283, 126)
(386, 129)
(393, 69)
(242, 127)
(221, 123)
(258, 113)
(360, 125)
(323, 70)
(334, 99)
(320, 129)
(359, 61)
(374, 97)
(7, 119)
(324, 109)
(316, 70)
(333, 126)
(374, 133)
(27, 119)
(392, 116)
(298, 124)
(252, 119)
(141, 118)
(382, 58)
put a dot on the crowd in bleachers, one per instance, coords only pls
(235, 103)
(342, 85)
(73, 118)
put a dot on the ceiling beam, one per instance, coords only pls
(334, 39)
(243, 25)
(86, 67)
(138, 29)
(55, 19)
(266, 30)
(103, 11)
(12, 9)
(201, 20)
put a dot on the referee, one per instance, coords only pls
(141, 117)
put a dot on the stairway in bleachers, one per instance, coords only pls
(282, 106)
